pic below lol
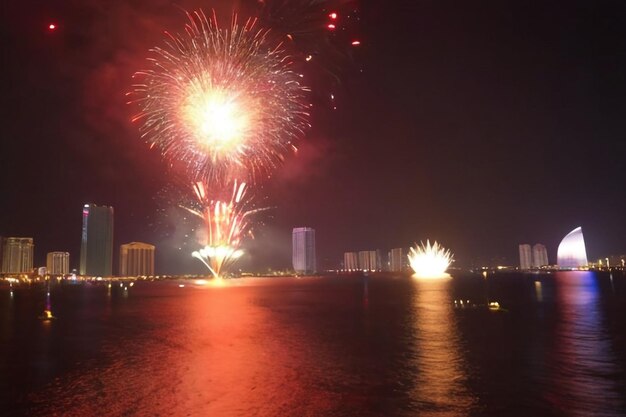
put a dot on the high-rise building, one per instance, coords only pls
(369, 260)
(572, 252)
(350, 261)
(58, 263)
(136, 259)
(17, 256)
(303, 250)
(96, 249)
(540, 255)
(525, 257)
(397, 260)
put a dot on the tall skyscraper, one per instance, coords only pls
(572, 252)
(525, 257)
(136, 259)
(17, 256)
(540, 255)
(350, 261)
(397, 260)
(58, 263)
(303, 250)
(96, 249)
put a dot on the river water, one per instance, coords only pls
(322, 346)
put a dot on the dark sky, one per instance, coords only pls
(479, 124)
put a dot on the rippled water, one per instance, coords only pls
(330, 346)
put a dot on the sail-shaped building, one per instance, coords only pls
(572, 253)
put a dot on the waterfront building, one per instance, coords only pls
(616, 261)
(397, 260)
(525, 257)
(96, 250)
(17, 255)
(350, 261)
(540, 256)
(303, 250)
(572, 252)
(58, 263)
(369, 260)
(136, 259)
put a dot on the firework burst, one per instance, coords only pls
(430, 261)
(224, 103)
(225, 222)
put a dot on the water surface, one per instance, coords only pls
(332, 346)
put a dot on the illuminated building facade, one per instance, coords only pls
(369, 260)
(540, 255)
(17, 255)
(136, 259)
(572, 252)
(397, 260)
(96, 249)
(303, 250)
(58, 263)
(525, 257)
(351, 261)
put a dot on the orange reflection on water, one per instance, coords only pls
(441, 375)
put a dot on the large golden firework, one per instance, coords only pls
(223, 103)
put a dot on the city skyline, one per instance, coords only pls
(433, 151)
(534, 256)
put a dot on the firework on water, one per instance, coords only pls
(430, 261)
(223, 103)
(226, 222)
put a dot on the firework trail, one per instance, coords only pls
(226, 222)
(223, 103)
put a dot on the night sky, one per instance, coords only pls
(479, 124)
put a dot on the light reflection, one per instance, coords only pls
(229, 353)
(47, 315)
(441, 374)
(582, 365)
(538, 291)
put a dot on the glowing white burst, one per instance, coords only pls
(430, 261)
(214, 257)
